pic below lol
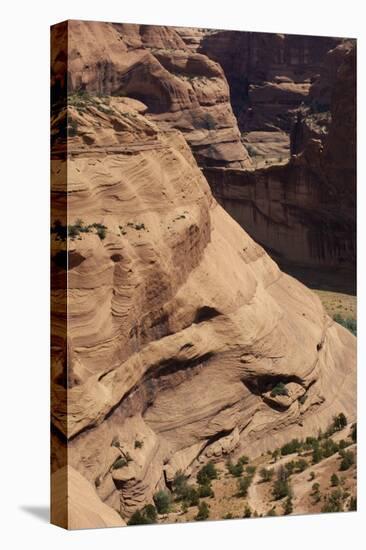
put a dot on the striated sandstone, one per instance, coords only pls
(179, 324)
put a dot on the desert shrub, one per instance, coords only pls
(119, 463)
(354, 433)
(247, 512)
(292, 447)
(243, 460)
(207, 473)
(180, 486)
(205, 491)
(343, 444)
(229, 515)
(339, 422)
(281, 489)
(275, 454)
(250, 470)
(138, 444)
(139, 226)
(288, 506)
(266, 474)
(300, 465)
(147, 515)
(235, 470)
(329, 448)
(279, 389)
(311, 476)
(333, 502)
(315, 492)
(348, 459)
(162, 502)
(203, 512)
(72, 231)
(348, 323)
(334, 480)
(243, 486)
(290, 467)
(191, 496)
(317, 454)
(272, 512)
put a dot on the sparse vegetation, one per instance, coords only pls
(138, 444)
(349, 323)
(162, 500)
(243, 485)
(206, 474)
(266, 474)
(203, 512)
(147, 515)
(333, 502)
(293, 446)
(235, 470)
(279, 389)
(73, 230)
(119, 463)
(334, 480)
(288, 506)
(348, 459)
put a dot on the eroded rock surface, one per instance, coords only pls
(179, 324)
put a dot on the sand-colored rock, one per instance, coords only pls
(178, 322)
(181, 88)
(84, 509)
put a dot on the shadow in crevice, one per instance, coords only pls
(40, 512)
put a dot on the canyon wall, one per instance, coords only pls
(168, 297)
(302, 210)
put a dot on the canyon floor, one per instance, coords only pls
(320, 487)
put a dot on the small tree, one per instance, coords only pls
(207, 473)
(243, 486)
(348, 459)
(288, 506)
(162, 502)
(203, 512)
(354, 433)
(266, 474)
(205, 491)
(281, 489)
(145, 516)
(334, 480)
(235, 470)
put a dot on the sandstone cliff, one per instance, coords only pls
(179, 324)
(304, 211)
(269, 77)
(181, 88)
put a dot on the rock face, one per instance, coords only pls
(178, 323)
(84, 508)
(181, 88)
(269, 77)
(304, 211)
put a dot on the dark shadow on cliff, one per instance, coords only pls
(40, 512)
(335, 279)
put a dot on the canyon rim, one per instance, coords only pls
(203, 293)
